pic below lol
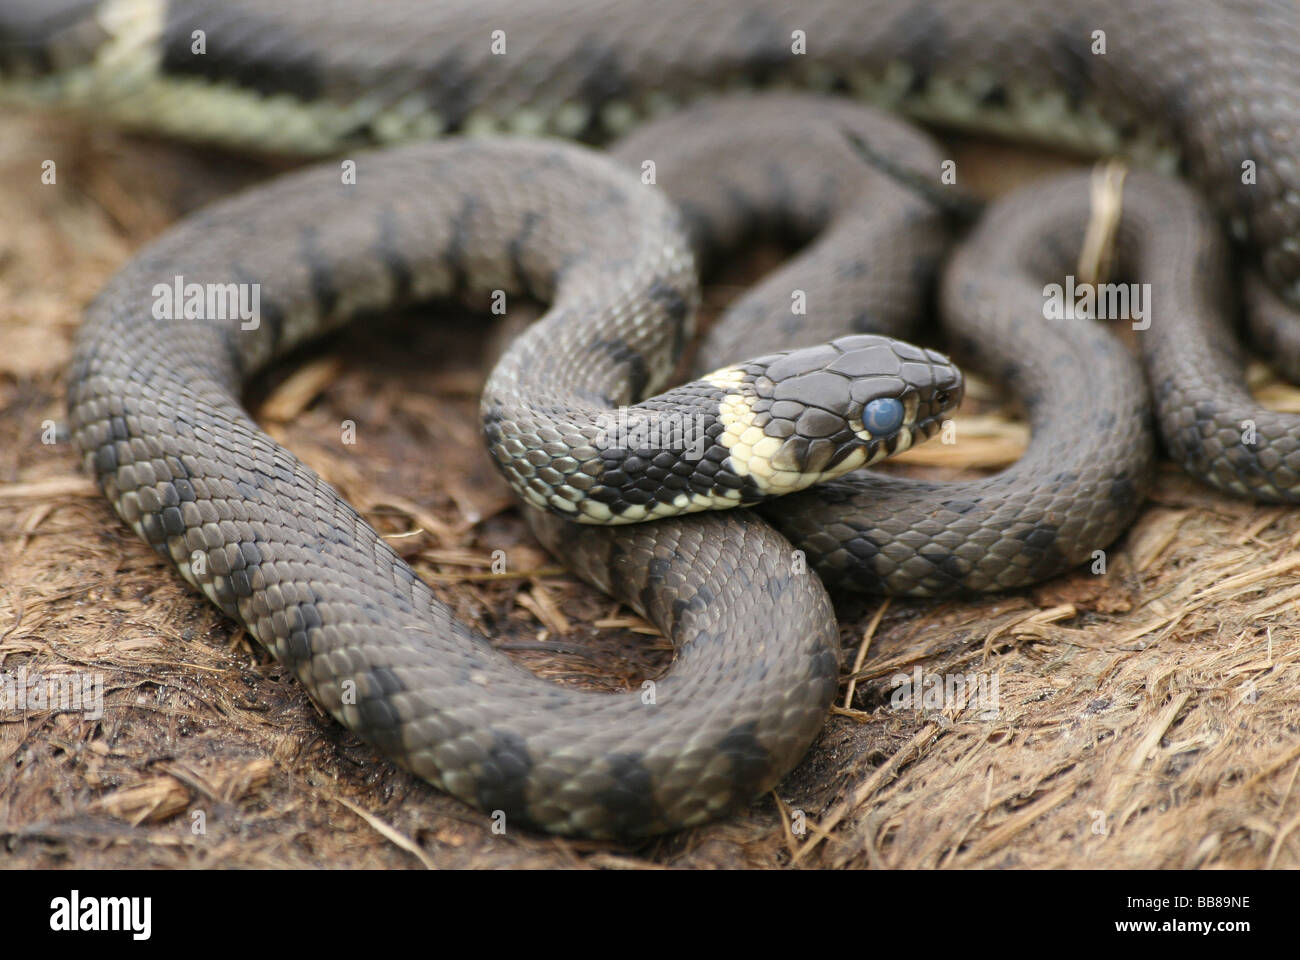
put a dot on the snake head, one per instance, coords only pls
(799, 417)
(747, 432)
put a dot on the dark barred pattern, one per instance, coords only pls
(154, 403)
(154, 407)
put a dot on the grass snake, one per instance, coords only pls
(155, 406)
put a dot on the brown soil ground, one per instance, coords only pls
(1147, 717)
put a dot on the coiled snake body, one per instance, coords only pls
(154, 401)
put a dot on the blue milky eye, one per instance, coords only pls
(882, 416)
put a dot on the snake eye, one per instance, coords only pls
(882, 415)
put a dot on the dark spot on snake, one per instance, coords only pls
(458, 245)
(1206, 414)
(621, 584)
(225, 596)
(1040, 537)
(106, 459)
(750, 761)
(320, 272)
(767, 47)
(656, 572)
(1073, 62)
(239, 583)
(172, 522)
(629, 797)
(390, 254)
(675, 306)
(603, 80)
(385, 681)
(960, 506)
(252, 556)
(503, 777)
(681, 607)
(1123, 493)
(450, 87)
(841, 85)
(381, 722)
(311, 618)
(949, 569)
(270, 321)
(1246, 464)
(637, 374)
(517, 248)
(995, 97)
(152, 526)
(247, 50)
(924, 39)
(297, 648)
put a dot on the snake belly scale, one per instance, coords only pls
(154, 403)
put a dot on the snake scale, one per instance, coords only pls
(1210, 87)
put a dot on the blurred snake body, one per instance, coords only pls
(155, 408)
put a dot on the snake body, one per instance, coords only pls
(154, 403)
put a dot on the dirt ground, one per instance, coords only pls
(1147, 717)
